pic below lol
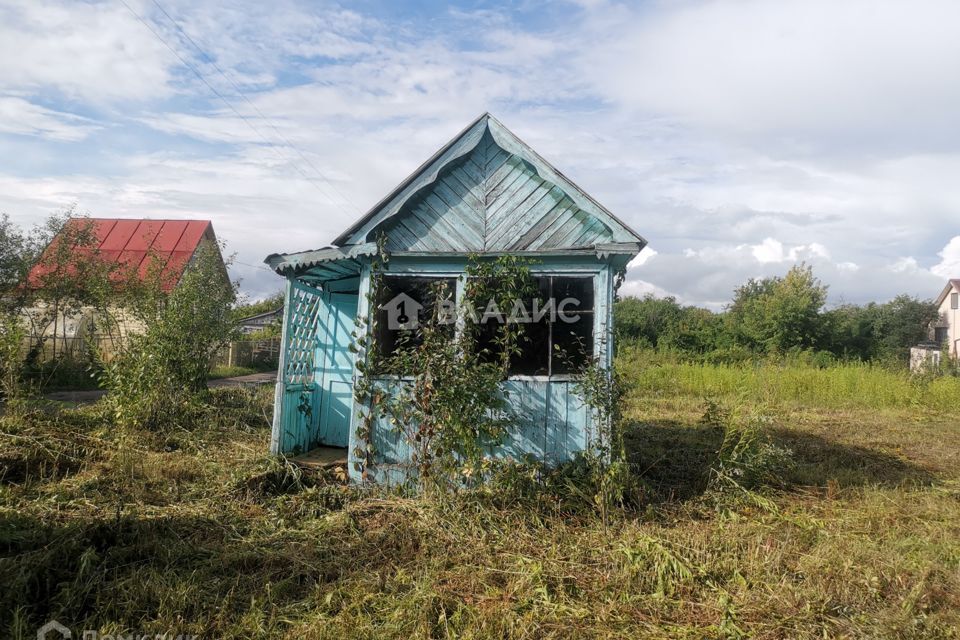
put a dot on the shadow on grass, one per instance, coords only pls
(206, 572)
(674, 459)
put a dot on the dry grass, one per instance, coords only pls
(199, 532)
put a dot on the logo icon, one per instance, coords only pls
(53, 625)
(403, 313)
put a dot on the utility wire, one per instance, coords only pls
(253, 266)
(227, 102)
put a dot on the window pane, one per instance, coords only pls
(533, 345)
(534, 356)
(954, 299)
(572, 344)
(579, 290)
(404, 304)
(563, 307)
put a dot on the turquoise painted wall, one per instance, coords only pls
(552, 422)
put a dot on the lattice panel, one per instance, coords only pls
(305, 304)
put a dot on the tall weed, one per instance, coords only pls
(839, 385)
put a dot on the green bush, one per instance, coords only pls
(159, 378)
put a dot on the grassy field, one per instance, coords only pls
(200, 532)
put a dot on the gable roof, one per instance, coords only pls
(952, 283)
(136, 244)
(487, 190)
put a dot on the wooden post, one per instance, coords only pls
(280, 387)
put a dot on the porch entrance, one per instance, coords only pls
(335, 367)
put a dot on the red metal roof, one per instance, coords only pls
(138, 243)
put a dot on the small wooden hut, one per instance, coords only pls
(484, 193)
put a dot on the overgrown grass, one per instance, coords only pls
(200, 532)
(845, 384)
(231, 372)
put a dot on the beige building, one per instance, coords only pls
(947, 329)
(141, 247)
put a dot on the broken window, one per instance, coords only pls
(556, 328)
(405, 303)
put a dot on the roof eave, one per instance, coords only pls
(372, 212)
(952, 283)
(290, 263)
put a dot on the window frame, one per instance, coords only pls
(460, 276)
(954, 300)
(456, 276)
(595, 331)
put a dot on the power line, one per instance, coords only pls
(240, 93)
(232, 108)
(253, 266)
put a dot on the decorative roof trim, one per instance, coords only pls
(460, 145)
(286, 263)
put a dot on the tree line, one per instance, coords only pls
(776, 316)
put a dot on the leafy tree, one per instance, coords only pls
(665, 324)
(794, 308)
(697, 331)
(69, 276)
(902, 323)
(247, 309)
(746, 318)
(159, 377)
(779, 314)
(850, 331)
(646, 319)
(18, 251)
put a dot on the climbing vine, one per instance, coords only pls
(601, 389)
(366, 394)
(442, 392)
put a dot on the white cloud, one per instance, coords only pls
(949, 265)
(642, 258)
(640, 288)
(97, 52)
(817, 73)
(738, 137)
(23, 117)
(772, 250)
(905, 265)
(769, 250)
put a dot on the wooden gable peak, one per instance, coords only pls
(488, 191)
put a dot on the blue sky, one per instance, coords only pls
(738, 136)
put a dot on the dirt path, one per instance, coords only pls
(92, 395)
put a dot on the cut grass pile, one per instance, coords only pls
(200, 532)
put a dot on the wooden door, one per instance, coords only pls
(336, 375)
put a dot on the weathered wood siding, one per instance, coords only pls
(484, 192)
(551, 425)
(492, 200)
(304, 397)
